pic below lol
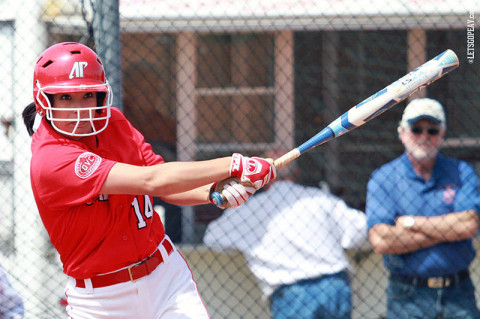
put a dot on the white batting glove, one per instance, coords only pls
(235, 194)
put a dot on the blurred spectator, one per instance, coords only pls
(11, 304)
(293, 239)
(422, 213)
(5, 139)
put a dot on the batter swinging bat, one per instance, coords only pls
(373, 106)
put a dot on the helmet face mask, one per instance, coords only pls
(71, 68)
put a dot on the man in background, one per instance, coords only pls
(293, 239)
(422, 210)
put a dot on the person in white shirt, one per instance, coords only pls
(293, 238)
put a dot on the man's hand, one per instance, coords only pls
(254, 170)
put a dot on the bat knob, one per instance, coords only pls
(217, 199)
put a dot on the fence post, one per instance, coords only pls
(186, 116)
(30, 237)
(106, 30)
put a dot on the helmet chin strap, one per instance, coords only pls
(36, 122)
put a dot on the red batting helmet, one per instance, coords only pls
(66, 68)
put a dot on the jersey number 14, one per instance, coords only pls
(147, 210)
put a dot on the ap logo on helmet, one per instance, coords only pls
(77, 70)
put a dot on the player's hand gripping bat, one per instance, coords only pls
(371, 107)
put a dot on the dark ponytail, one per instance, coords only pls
(28, 114)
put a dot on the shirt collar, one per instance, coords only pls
(410, 172)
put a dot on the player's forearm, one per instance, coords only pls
(179, 177)
(388, 239)
(165, 179)
(198, 196)
(449, 227)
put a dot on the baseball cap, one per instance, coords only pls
(423, 108)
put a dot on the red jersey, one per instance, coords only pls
(94, 233)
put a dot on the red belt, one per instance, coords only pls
(132, 273)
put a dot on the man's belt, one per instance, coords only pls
(433, 282)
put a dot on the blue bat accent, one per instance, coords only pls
(345, 123)
(438, 57)
(448, 69)
(448, 59)
(383, 109)
(325, 135)
(372, 97)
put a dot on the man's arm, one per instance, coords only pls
(425, 232)
(396, 239)
(445, 228)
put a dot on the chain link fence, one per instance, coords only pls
(206, 78)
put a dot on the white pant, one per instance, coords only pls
(168, 293)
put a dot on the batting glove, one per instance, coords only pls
(233, 192)
(254, 170)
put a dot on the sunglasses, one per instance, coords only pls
(419, 130)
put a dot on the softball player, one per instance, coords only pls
(93, 177)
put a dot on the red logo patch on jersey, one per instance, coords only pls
(449, 195)
(86, 164)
